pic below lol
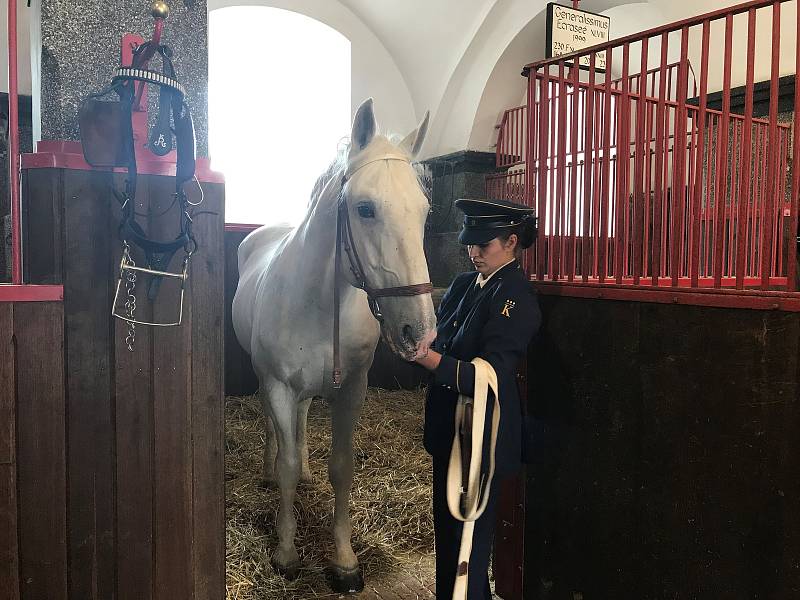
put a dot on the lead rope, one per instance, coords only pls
(476, 495)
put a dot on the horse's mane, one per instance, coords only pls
(337, 164)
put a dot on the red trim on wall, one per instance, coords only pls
(755, 300)
(66, 154)
(31, 293)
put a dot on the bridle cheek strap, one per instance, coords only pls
(344, 236)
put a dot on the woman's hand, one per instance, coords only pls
(430, 360)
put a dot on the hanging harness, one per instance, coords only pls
(106, 130)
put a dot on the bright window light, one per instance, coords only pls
(279, 106)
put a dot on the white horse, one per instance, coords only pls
(284, 308)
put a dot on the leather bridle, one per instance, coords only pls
(344, 237)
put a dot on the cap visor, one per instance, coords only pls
(476, 236)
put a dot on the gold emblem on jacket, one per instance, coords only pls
(507, 307)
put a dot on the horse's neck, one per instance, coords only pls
(314, 240)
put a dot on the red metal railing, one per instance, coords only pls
(507, 186)
(652, 188)
(511, 137)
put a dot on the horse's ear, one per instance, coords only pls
(364, 125)
(413, 141)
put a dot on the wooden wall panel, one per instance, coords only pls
(9, 562)
(172, 425)
(41, 447)
(667, 452)
(88, 232)
(134, 452)
(208, 450)
(42, 212)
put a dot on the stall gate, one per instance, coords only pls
(663, 387)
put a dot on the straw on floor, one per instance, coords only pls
(390, 502)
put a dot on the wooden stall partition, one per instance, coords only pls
(144, 428)
(33, 487)
(9, 552)
(667, 455)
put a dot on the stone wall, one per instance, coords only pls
(453, 176)
(80, 48)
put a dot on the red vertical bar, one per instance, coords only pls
(794, 199)
(747, 148)
(679, 160)
(661, 155)
(760, 198)
(649, 179)
(13, 145)
(574, 175)
(561, 158)
(596, 181)
(766, 248)
(623, 164)
(703, 129)
(551, 196)
(708, 220)
(722, 155)
(736, 196)
(541, 190)
(778, 245)
(501, 143)
(606, 178)
(588, 171)
(530, 170)
(638, 169)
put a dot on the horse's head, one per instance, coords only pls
(386, 209)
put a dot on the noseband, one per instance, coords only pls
(344, 237)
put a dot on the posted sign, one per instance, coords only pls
(570, 30)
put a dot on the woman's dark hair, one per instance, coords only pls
(526, 234)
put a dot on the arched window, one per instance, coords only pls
(279, 105)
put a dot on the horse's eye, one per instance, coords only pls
(366, 210)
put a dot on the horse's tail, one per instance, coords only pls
(259, 240)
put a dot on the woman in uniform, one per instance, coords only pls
(490, 313)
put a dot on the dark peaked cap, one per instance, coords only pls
(484, 220)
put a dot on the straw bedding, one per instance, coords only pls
(390, 501)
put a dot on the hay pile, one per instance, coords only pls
(390, 502)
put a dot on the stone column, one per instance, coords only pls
(80, 48)
(457, 175)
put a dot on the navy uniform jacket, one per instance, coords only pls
(496, 323)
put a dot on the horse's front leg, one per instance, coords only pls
(345, 572)
(283, 409)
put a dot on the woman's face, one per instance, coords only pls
(492, 255)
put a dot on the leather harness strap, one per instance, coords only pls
(344, 235)
(468, 502)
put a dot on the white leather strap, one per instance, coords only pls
(478, 490)
(363, 162)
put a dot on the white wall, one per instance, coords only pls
(23, 47)
(374, 72)
(511, 35)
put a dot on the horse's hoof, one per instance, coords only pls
(289, 572)
(345, 581)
